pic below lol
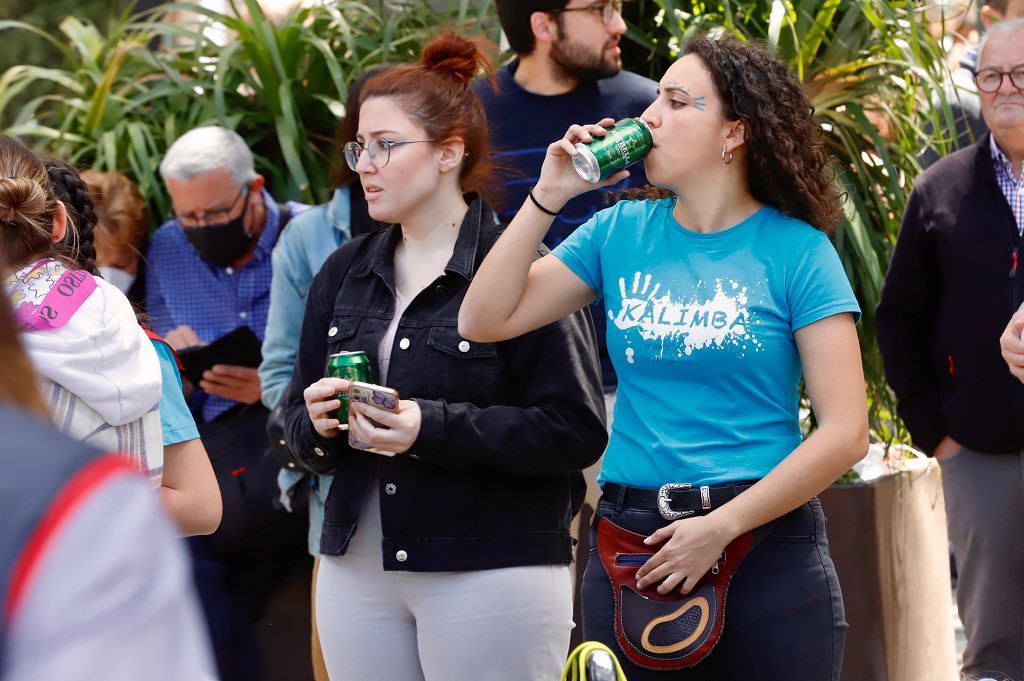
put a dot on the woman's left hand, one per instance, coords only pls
(398, 431)
(692, 546)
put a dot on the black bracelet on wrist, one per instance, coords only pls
(552, 213)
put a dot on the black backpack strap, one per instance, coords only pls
(285, 213)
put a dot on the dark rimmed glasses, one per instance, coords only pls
(378, 149)
(990, 80)
(606, 10)
(211, 217)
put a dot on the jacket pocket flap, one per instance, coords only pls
(447, 340)
(341, 328)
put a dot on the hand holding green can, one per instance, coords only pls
(626, 143)
(351, 366)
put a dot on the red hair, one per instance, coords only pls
(435, 94)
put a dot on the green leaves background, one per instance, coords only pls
(119, 95)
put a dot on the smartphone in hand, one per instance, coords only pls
(377, 395)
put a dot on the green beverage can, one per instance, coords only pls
(625, 143)
(352, 366)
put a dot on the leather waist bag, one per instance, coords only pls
(672, 631)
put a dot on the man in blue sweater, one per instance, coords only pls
(568, 70)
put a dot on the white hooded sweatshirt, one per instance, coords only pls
(95, 359)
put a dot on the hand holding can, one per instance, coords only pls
(627, 142)
(322, 404)
(350, 366)
(559, 181)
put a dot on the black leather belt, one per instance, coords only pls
(674, 500)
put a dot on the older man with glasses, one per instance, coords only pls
(209, 273)
(954, 279)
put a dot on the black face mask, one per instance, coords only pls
(224, 243)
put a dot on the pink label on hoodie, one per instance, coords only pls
(46, 295)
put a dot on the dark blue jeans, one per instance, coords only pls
(784, 617)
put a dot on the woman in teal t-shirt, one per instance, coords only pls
(722, 290)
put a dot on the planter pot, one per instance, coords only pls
(888, 540)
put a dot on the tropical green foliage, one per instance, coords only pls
(872, 72)
(116, 103)
(27, 49)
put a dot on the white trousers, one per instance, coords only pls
(509, 624)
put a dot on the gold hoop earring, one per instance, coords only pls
(726, 159)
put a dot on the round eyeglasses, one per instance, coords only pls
(378, 149)
(606, 10)
(990, 80)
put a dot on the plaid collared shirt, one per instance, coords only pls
(1013, 189)
(181, 288)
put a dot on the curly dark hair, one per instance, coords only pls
(69, 187)
(788, 166)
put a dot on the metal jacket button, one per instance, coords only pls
(319, 452)
(332, 332)
(464, 346)
(404, 343)
(390, 488)
(401, 556)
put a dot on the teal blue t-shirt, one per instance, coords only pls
(175, 418)
(700, 330)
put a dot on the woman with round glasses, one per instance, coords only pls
(722, 289)
(446, 557)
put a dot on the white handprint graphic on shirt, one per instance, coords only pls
(686, 325)
(634, 306)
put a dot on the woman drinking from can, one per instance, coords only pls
(721, 288)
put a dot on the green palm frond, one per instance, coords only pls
(117, 103)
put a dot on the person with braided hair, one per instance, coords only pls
(722, 288)
(446, 559)
(188, 486)
(111, 595)
(70, 189)
(99, 371)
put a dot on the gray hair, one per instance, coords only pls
(203, 150)
(998, 28)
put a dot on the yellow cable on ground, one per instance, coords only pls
(576, 666)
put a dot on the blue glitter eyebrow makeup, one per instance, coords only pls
(698, 103)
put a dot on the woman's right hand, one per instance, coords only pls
(558, 180)
(321, 403)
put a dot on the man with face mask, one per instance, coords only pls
(210, 266)
(209, 272)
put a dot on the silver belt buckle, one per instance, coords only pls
(663, 501)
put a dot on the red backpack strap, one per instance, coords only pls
(157, 339)
(62, 509)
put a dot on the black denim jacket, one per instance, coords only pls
(494, 477)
